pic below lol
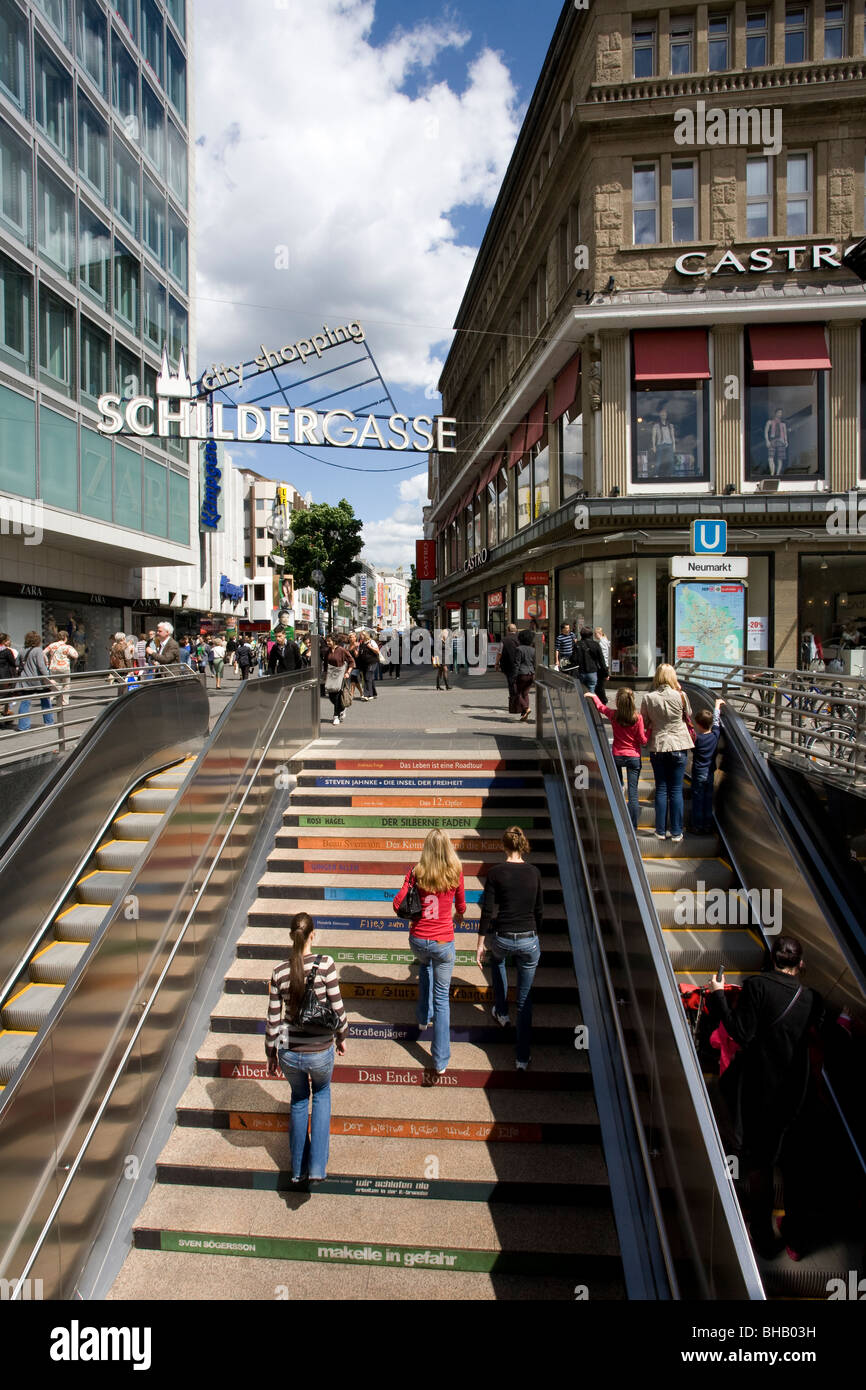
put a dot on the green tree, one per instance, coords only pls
(413, 600)
(328, 539)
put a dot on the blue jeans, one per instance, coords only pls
(303, 1070)
(526, 953)
(632, 772)
(24, 710)
(589, 679)
(702, 801)
(669, 769)
(436, 959)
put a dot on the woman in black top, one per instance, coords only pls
(513, 889)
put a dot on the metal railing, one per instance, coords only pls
(62, 708)
(815, 720)
(702, 1224)
(99, 1057)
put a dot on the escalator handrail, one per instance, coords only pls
(669, 989)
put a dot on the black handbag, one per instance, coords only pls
(312, 1010)
(411, 905)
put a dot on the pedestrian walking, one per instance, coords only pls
(629, 737)
(59, 655)
(512, 911)
(34, 681)
(337, 665)
(8, 673)
(564, 647)
(591, 665)
(306, 1024)
(440, 660)
(524, 673)
(219, 660)
(244, 658)
(166, 651)
(368, 661)
(667, 718)
(604, 643)
(118, 659)
(505, 663)
(439, 880)
(708, 731)
(283, 656)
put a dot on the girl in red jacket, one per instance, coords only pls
(629, 737)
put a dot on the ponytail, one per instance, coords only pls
(302, 930)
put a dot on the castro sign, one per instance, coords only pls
(474, 562)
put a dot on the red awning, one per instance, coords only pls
(789, 347)
(453, 512)
(565, 387)
(677, 354)
(492, 470)
(467, 499)
(518, 444)
(535, 422)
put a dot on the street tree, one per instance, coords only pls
(328, 539)
(413, 599)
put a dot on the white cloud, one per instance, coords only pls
(309, 141)
(391, 542)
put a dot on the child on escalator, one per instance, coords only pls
(708, 731)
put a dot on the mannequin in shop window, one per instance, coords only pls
(664, 442)
(776, 440)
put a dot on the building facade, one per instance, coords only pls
(268, 589)
(96, 258)
(659, 328)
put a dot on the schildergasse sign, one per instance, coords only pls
(189, 410)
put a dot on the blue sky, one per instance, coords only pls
(355, 184)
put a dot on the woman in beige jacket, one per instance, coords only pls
(665, 710)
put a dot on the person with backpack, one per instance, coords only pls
(118, 659)
(35, 679)
(58, 655)
(438, 879)
(306, 1023)
(367, 661)
(8, 672)
(629, 737)
(524, 673)
(588, 656)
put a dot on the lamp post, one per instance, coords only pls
(319, 580)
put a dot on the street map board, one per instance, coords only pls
(709, 622)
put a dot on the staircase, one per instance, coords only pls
(483, 1183)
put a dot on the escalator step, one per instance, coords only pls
(13, 1046)
(79, 923)
(55, 964)
(101, 887)
(667, 904)
(172, 777)
(706, 948)
(674, 872)
(152, 799)
(119, 854)
(135, 825)
(31, 1006)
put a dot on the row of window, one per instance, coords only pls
(685, 212)
(97, 477)
(646, 58)
(55, 338)
(101, 51)
(163, 233)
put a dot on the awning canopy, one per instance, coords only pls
(789, 347)
(467, 498)
(565, 388)
(489, 473)
(518, 444)
(535, 422)
(671, 354)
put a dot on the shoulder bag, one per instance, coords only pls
(411, 905)
(334, 677)
(312, 1010)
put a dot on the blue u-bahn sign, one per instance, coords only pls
(710, 537)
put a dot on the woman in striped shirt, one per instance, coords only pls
(305, 1052)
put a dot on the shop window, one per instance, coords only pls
(56, 357)
(126, 186)
(476, 525)
(92, 147)
(684, 200)
(128, 12)
(177, 12)
(17, 444)
(127, 374)
(176, 86)
(153, 124)
(570, 454)
(154, 321)
(669, 426)
(16, 175)
(540, 479)
(719, 42)
(94, 250)
(155, 498)
(14, 55)
(645, 204)
(95, 357)
(96, 480)
(492, 516)
(178, 507)
(16, 309)
(91, 41)
(682, 45)
(151, 36)
(153, 222)
(178, 330)
(56, 221)
(127, 280)
(523, 494)
(759, 199)
(799, 194)
(786, 425)
(531, 607)
(124, 88)
(835, 27)
(473, 613)
(757, 39)
(53, 104)
(177, 163)
(58, 448)
(177, 249)
(643, 42)
(796, 34)
(603, 593)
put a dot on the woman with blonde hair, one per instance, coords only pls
(667, 717)
(439, 880)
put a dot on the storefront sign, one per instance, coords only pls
(234, 592)
(536, 577)
(709, 537)
(425, 559)
(210, 518)
(760, 260)
(696, 567)
(496, 599)
(454, 605)
(474, 562)
(757, 635)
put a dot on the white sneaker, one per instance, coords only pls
(342, 716)
(335, 720)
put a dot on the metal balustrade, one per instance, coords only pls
(815, 720)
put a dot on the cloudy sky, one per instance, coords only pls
(348, 155)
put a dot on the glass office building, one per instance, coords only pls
(95, 269)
